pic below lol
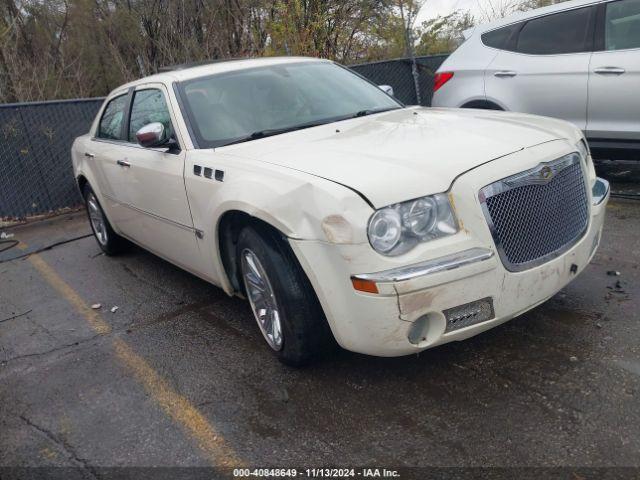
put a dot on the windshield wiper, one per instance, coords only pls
(371, 111)
(277, 131)
(271, 132)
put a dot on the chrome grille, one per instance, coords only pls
(538, 214)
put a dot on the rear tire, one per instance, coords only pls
(283, 301)
(109, 241)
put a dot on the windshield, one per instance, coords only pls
(252, 103)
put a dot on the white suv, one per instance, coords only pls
(577, 60)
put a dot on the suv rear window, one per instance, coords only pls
(564, 32)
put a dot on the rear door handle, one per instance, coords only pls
(89, 155)
(609, 70)
(505, 74)
(122, 163)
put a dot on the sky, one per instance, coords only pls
(433, 8)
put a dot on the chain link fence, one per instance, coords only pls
(36, 175)
(397, 73)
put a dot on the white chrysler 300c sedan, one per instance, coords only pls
(338, 212)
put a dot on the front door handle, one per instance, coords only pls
(89, 155)
(610, 70)
(505, 74)
(122, 163)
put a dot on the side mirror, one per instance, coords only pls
(153, 135)
(388, 89)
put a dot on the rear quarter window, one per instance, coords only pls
(499, 38)
(110, 126)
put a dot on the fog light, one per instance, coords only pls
(418, 330)
(469, 314)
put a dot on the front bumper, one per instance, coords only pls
(412, 295)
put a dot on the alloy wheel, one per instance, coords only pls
(96, 217)
(262, 299)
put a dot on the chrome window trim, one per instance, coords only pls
(532, 176)
(440, 264)
(124, 143)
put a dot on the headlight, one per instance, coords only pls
(397, 229)
(385, 229)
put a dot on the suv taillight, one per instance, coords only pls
(440, 79)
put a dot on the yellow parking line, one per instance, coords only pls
(52, 278)
(178, 407)
(174, 405)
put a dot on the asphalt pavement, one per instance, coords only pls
(178, 374)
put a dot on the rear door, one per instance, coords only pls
(614, 77)
(104, 151)
(543, 69)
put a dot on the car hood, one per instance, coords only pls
(403, 154)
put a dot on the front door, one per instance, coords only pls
(544, 70)
(155, 184)
(614, 76)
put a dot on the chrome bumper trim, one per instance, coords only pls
(599, 191)
(441, 264)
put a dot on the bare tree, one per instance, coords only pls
(70, 48)
(495, 9)
(409, 10)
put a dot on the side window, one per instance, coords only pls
(565, 32)
(622, 25)
(499, 38)
(149, 106)
(111, 122)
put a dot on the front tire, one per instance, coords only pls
(109, 241)
(282, 299)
